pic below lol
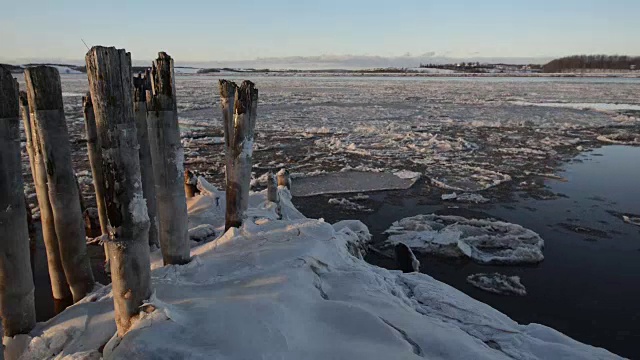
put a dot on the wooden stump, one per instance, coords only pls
(59, 287)
(272, 188)
(45, 106)
(140, 87)
(239, 135)
(16, 279)
(284, 178)
(109, 73)
(167, 156)
(190, 184)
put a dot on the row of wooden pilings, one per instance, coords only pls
(137, 162)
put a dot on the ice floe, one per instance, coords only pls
(469, 179)
(498, 283)
(350, 182)
(346, 204)
(485, 241)
(465, 198)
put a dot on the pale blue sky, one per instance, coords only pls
(248, 29)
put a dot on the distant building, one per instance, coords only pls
(632, 67)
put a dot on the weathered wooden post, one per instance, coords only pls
(239, 130)
(167, 155)
(284, 178)
(109, 73)
(95, 161)
(190, 184)
(16, 280)
(24, 110)
(47, 113)
(140, 87)
(272, 188)
(59, 287)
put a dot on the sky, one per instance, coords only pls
(209, 31)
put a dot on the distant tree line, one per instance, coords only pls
(592, 62)
(477, 67)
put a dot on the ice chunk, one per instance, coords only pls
(472, 198)
(621, 138)
(452, 196)
(349, 205)
(498, 283)
(635, 220)
(349, 182)
(405, 259)
(406, 174)
(485, 241)
(469, 179)
(202, 232)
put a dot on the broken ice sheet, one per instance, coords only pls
(485, 241)
(498, 283)
(349, 182)
(346, 204)
(635, 220)
(465, 198)
(466, 178)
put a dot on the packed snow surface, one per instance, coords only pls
(485, 241)
(291, 288)
(498, 283)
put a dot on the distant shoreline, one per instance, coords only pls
(409, 73)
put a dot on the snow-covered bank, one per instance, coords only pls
(292, 289)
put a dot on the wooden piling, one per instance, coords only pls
(109, 73)
(284, 178)
(140, 86)
(167, 156)
(47, 113)
(190, 184)
(272, 188)
(16, 279)
(59, 286)
(95, 161)
(239, 135)
(24, 111)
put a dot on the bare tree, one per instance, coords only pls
(109, 73)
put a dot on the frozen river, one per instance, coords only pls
(505, 139)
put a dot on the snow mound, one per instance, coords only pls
(484, 241)
(292, 289)
(498, 284)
